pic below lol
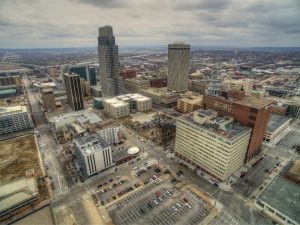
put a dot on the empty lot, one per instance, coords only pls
(18, 155)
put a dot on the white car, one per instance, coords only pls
(188, 205)
(173, 207)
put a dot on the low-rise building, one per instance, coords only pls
(199, 86)
(14, 119)
(189, 103)
(93, 154)
(123, 105)
(283, 206)
(280, 109)
(48, 99)
(277, 128)
(294, 110)
(110, 134)
(85, 118)
(135, 85)
(154, 94)
(216, 145)
(242, 84)
(17, 195)
(128, 73)
(116, 108)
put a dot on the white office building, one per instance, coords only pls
(93, 154)
(216, 145)
(110, 135)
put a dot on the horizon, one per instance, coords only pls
(75, 23)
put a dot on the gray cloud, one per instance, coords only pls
(103, 3)
(66, 23)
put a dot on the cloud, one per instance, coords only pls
(68, 23)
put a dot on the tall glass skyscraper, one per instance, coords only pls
(109, 66)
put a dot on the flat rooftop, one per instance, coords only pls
(118, 155)
(283, 196)
(90, 143)
(81, 116)
(192, 99)
(12, 109)
(233, 129)
(276, 121)
(254, 102)
(16, 192)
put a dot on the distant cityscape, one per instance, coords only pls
(170, 135)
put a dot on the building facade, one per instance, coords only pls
(189, 103)
(250, 111)
(123, 105)
(73, 91)
(128, 73)
(93, 154)
(178, 66)
(135, 85)
(110, 135)
(216, 145)
(48, 99)
(14, 119)
(277, 128)
(199, 86)
(110, 79)
(254, 113)
(87, 73)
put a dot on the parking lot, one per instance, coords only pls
(257, 172)
(159, 202)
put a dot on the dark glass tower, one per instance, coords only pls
(109, 66)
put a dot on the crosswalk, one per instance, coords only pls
(65, 191)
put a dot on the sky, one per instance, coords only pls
(75, 23)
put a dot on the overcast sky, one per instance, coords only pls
(74, 23)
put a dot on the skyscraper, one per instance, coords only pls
(73, 91)
(110, 80)
(178, 66)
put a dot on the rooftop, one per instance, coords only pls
(192, 99)
(254, 102)
(12, 109)
(90, 143)
(16, 192)
(82, 116)
(286, 199)
(118, 155)
(8, 91)
(276, 121)
(231, 131)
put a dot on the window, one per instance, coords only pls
(249, 124)
(253, 110)
(252, 118)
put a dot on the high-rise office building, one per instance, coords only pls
(88, 73)
(217, 145)
(92, 153)
(110, 79)
(178, 66)
(73, 91)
